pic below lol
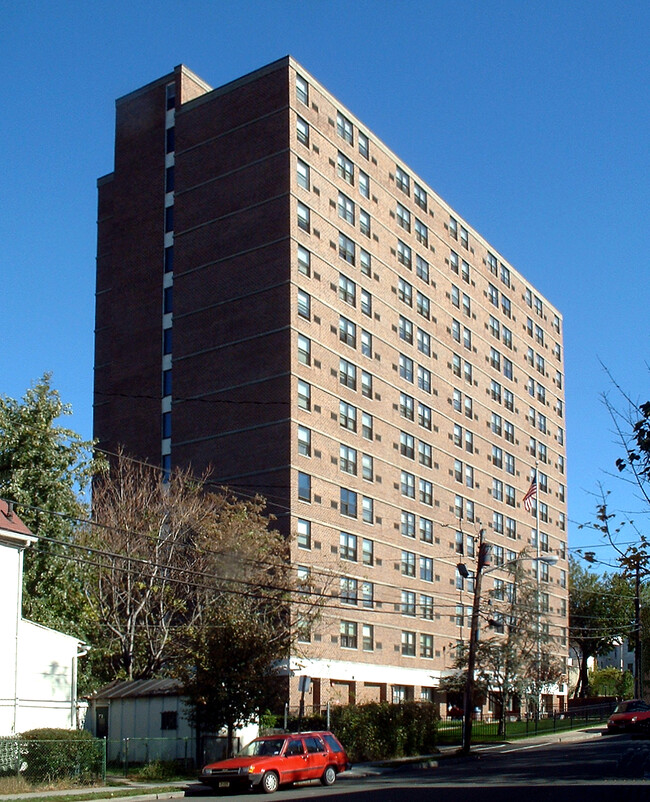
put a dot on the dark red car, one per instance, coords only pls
(629, 715)
(274, 760)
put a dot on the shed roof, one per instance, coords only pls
(125, 689)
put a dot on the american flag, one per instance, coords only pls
(531, 493)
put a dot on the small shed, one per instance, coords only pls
(145, 720)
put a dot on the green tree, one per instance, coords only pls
(44, 467)
(611, 682)
(600, 612)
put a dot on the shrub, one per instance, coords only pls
(379, 730)
(55, 754)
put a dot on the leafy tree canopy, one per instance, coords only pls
(44, 466)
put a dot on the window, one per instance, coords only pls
(304, 441)
(493, 295)
(304, 534)
(347, 416)
(348, 459)
(423, 306)
(364, 149)
(302, 174)
(364, 222)
(453, 261)
(455, 296)
(497, 457)
(408, 644)
(364, 184)
(367, 510)
(346, 208)
(304, 350)
(348, 635)
(497, 522)
(304, 304)
(453, 227)
(467, 305)
(347, 290)
(367, 595)
(403, 217)
(407, 406)
(347, 374)
(408, 563)
(304, 261)
(455, 330)
(405, 329)
(505, 275)
(304, 395)
(426, 607)
(421, 233)
(407, 445)
(348, 591)
(344, 128)
(420, 196)
(424, 416)
(510, 496)
(367, 552)
(407, 524)
(347, 332)
(497, 490)
(509, 431)
(169, 259)
(169, 720)
(424, 379)
(426, 492)
(495, 327)
(169, 216)
(404, 254)
(348, 547)
(426, 569)
(304, 217)
(167, 382)
(345, 168)
(509, 400)
(405, 292)
(407, 484)
(496, 423)
(506, 306)
(366, 303)
(464, 237)
(467, 338)
(422, 268)
(366, 384)
(366, 343)
(367, 632)
(507, 368)
(364, 260)
(302, 131)
(408, 603)
(402, 180)
(367, 471)
(366, 426)
(302, 90)
(509, 464)
(426, 530)
(424, 342)
(304, 486)
(406, 368)
(348, 505)
(346, 249)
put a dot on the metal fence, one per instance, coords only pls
(81, 760)
(127, 753)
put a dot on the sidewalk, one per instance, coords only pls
(177, 790)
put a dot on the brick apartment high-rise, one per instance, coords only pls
(282, 298)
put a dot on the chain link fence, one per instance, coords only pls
(79, 761)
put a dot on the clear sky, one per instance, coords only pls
(530, 118)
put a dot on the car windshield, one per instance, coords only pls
(262, 746)
(632, 706)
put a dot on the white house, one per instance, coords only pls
(38, 670)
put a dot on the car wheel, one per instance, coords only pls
(270, 782)
(329, 776)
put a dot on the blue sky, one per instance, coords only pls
(530, 118)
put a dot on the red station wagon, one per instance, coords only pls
(274, 760)
(629, 715)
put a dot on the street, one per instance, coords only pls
(594, 769)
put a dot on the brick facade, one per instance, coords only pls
(442, 336)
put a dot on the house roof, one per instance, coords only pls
(125, 689)
(11, 527)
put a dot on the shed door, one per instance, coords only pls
(101, 722)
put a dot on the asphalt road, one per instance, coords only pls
(594, 769)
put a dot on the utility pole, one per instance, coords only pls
(473, 638)
(638, 667)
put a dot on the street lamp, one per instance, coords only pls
(482, 561)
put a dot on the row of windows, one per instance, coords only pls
(345, 169)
